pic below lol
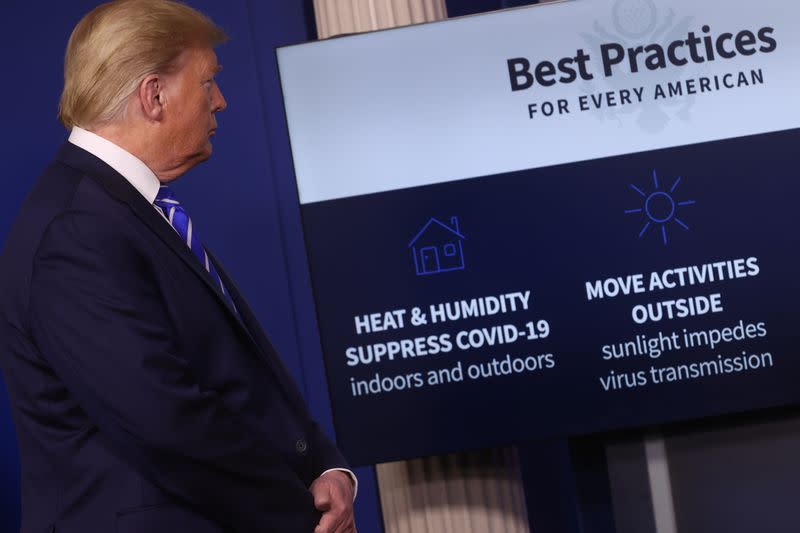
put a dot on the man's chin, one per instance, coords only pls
(205, 153)
(195, 159)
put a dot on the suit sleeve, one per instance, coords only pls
(330, 458)
(327, 456)
(98, 320)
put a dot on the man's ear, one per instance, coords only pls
(151, 96)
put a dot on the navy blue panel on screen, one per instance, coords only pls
(514, 227)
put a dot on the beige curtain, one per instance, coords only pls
(471, 492)
(338, 17)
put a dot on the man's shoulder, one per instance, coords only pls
(72, 189)
(59, 191)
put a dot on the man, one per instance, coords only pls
(145, 395)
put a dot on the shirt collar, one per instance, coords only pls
(128, 165)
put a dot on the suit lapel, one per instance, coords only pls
(162, 228)
(244, 314)
(257, 335)
(118, 187)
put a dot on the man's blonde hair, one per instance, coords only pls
(116, 45)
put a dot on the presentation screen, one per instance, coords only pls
(555, 220)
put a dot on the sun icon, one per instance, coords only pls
(660, 207)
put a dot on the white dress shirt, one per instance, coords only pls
(128, 165)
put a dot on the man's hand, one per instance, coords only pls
(333, 496)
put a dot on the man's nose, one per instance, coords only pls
(218, 101)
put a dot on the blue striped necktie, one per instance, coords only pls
(179, 219)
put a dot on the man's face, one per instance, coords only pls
(191, 98)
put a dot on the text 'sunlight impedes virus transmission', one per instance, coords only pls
(659, 207)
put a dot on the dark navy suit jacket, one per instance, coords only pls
(143, 403)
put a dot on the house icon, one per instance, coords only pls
(437, 247)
